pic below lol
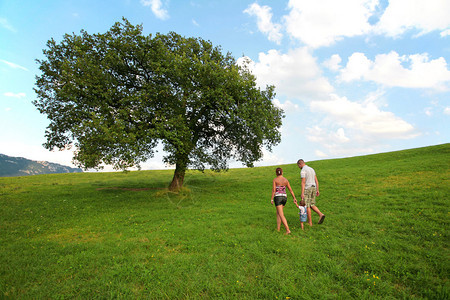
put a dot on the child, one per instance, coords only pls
(303, 215)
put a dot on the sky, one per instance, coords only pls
(354, 77)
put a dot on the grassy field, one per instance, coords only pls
(123, 235)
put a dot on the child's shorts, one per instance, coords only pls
(303, 218)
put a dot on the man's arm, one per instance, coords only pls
(317, 186)
(303, 187)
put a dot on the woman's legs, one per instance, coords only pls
(281, 219)
(278, 221)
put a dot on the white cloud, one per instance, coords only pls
(315, 134)
(320, 154)
(333, 63)
(12, 95)
(154, 164)
(357, 66)
(286, 106)
(447, 110)
(322, 23)
(340, 136)
(294, 74)
(270, 159)
(363, 118)
(318, 134)
(5, 24)
(329, 141)
(347, 127)
(388, 69)
(13, 65)
(156, 7)
(424, 16)
(264, 21)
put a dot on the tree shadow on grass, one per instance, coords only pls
(130, 189)
(182, 198)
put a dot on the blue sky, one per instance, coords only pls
(354, 77)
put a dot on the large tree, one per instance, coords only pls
(115, 95)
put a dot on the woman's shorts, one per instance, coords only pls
(280, 200)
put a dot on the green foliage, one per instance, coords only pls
(115, 95)
(122, 235)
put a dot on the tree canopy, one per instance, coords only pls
(114, 96)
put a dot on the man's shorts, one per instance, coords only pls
(310, 196)
(280, 200)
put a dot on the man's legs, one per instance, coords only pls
(321, 215)
(308, 212)
(310, 198)
(316, 209)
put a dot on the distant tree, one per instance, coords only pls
(115, 95)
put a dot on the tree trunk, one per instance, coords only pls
(178, 177)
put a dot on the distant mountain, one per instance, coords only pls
(19, 166)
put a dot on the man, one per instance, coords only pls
(310, 189)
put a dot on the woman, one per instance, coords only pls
(279, 196)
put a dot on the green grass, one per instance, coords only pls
(123, 235)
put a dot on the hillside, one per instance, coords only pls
(19, 166)
(124, 235)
